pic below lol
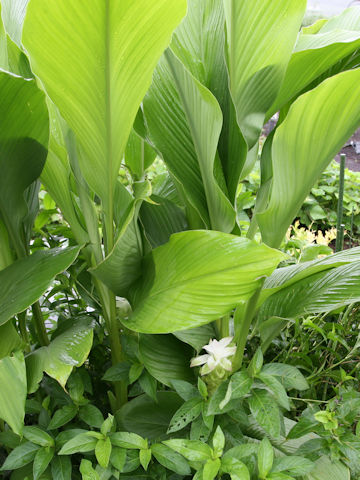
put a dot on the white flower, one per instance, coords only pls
(217, 356)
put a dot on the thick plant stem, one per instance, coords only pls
(39, 325)
(116, 351)
(243, 318)
(24, 333)
(22, 251)
(253, 228)
(340, 210)
(223, 326)
(113, 321)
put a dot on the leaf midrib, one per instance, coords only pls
(108, 120)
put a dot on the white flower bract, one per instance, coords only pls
(217, 356)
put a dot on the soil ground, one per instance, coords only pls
(352, 152)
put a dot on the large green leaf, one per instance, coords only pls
(197, 337)
(13, 391)
(260, 38)
(349, 19)
(325, 469)
(169, 132)
(319, 293)
(161, 219)
(56, 175)
(144, 416)
(23, 147)
(197, 277)
(123, 264)
(166, 358)
(199, 42)
(314, 55)
(23, 282)
(70, 349)
(96, 64)
(286, 276)
(204, 118)
(6, 254)
(314, 130)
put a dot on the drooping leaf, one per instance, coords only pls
(23, 282)
(104, 73)
(284, 277)
(13, 391)
(68, 350)
(166, 358)
(318, 293)
(260, 38)
(24, 134)
(181, 288)
(314, 55)
(304, 144)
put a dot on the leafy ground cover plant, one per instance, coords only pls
(95, 373)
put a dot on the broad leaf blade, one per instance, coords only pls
(23, 282)
(24, 130)
(260, 38)
(68, 350)
(204, 118)
(313, 55)
(199, 42)
(195, 278)
(13, 391)
(302, 148)
(318, 293)
(166, 358)
(102, 57)
(148, 418)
